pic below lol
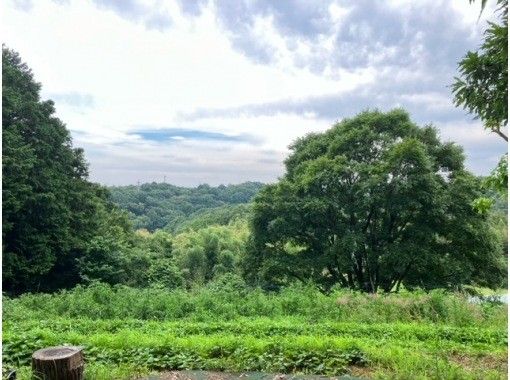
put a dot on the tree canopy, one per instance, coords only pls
(373, 203)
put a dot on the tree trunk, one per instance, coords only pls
(58, 363)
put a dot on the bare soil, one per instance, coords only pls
(210, 375)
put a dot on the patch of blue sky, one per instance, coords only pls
(170, 134)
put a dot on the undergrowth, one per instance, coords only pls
(127, 331)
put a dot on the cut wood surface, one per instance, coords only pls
(58, 363)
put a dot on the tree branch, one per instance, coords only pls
(501, 134)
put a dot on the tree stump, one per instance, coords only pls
(58, 363)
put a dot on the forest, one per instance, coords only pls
(377, 253)
(163, 206)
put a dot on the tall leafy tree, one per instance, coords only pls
(49, 208)
(373, 203)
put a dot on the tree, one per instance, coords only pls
(373, 203)
(209, 252)
(107, 255)
(50, 210)
(482, 87)
(164, 273)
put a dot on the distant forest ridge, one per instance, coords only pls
(174, 208)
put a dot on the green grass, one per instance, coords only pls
(409, 336)
(229, 303)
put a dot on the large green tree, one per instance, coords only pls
(373, 203)
(50, 210)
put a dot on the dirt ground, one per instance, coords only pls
(206, 375)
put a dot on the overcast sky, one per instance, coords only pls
(213, 92)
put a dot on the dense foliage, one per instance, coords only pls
(373, 203)
(222, 216)
(482, 87)
(163, 206)
(496, 188)
(141, 259)
(226, 326)
(50, 211)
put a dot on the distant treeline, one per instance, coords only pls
(172, 208)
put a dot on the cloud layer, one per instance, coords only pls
(214, 91)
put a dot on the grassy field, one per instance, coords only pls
(128, 332)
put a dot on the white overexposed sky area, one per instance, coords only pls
(202, 91)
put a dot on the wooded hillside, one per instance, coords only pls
(163, 206)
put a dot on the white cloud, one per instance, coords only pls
(137, 76)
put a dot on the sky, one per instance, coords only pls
(204, 91)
